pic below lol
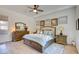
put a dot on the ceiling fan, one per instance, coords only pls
(35, 9)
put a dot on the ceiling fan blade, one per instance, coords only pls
(40, 10)
(30, 7)
(37, 6)
(35, 9)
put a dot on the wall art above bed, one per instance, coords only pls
(42, 23)
(54, 22)
(49, 22)
(62, 20)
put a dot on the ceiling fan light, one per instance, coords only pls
(34, 10)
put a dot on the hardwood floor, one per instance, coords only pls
(70, 49)
(20, 48)
(17, 48)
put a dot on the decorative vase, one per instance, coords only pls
(61, 33)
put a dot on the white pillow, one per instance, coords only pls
(49, 33)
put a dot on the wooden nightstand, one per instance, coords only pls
(61, 39)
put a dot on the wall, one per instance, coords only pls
(12, 18)
(77, 32)
(69, 28)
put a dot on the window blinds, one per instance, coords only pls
(3, 24)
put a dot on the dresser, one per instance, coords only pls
(17, 35)
(61, 39)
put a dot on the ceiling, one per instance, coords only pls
(23, 9)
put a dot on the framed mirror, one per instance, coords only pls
(20, 26)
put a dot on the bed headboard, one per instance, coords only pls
(48, 30)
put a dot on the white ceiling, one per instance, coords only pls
(23, 9)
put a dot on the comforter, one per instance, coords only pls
(39, 38)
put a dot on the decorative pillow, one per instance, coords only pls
(50, 33)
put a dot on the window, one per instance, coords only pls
(3, 25)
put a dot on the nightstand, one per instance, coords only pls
(61, 39)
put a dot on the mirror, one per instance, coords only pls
(20, 26)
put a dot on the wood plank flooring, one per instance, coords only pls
(20, 48)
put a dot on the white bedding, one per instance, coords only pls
(39, 38)
(54, 49)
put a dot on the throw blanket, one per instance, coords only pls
(54, 49)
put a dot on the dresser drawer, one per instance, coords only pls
(17, 35)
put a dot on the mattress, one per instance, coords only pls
(39, 38)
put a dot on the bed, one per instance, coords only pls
(40, 41)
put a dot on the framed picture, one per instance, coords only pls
(42, 23)
(54, 22)
(62, 20)
(48, 23)
(77, 24)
